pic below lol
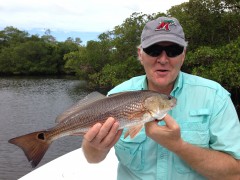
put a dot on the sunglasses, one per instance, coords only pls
(171, 51)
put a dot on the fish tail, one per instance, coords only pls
(34, 145)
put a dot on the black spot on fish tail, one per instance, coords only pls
(41, 136)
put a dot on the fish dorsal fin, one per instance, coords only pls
(133, 131)
(115, 94)
(121, 93)
(90, 98)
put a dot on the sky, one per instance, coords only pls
(75, 18)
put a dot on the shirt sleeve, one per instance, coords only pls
(225, 127)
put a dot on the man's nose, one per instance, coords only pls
(162, 58)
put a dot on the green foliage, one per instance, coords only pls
(11, 35)
(204, 55)
(77, 63)
(219, 64)
(24, 55)
(127, 35)
(112, 75)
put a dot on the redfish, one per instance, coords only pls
(131, 109)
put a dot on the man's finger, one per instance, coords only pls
(105, 129)
(92, 133)
(113, 134)
(170, 122)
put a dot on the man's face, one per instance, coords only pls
(161, 70)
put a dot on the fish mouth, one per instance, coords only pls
(174, 103)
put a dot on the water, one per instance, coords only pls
(30, 104)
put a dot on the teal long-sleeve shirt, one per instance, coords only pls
(207, 118)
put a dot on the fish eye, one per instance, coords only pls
(169, 97)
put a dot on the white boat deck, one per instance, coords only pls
(73, 166)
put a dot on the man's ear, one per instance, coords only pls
(140, 55)
(184, 55)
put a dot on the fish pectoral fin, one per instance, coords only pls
(133, 131)
(136, 115)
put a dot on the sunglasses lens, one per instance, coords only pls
(154, 50)
(174, 50)
(171, 51)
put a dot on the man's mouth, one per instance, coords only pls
(162, 72)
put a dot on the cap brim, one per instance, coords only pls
(163, 38)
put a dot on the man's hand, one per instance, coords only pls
(168, 136)
(103, 136)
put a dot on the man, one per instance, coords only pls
(198, 139)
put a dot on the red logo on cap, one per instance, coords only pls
(164, 25)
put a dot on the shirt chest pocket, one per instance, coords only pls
(194, 130)
(130, 151)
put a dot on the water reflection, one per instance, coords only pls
(30, 104)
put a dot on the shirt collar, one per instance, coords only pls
(145, 84)
(178, 84)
